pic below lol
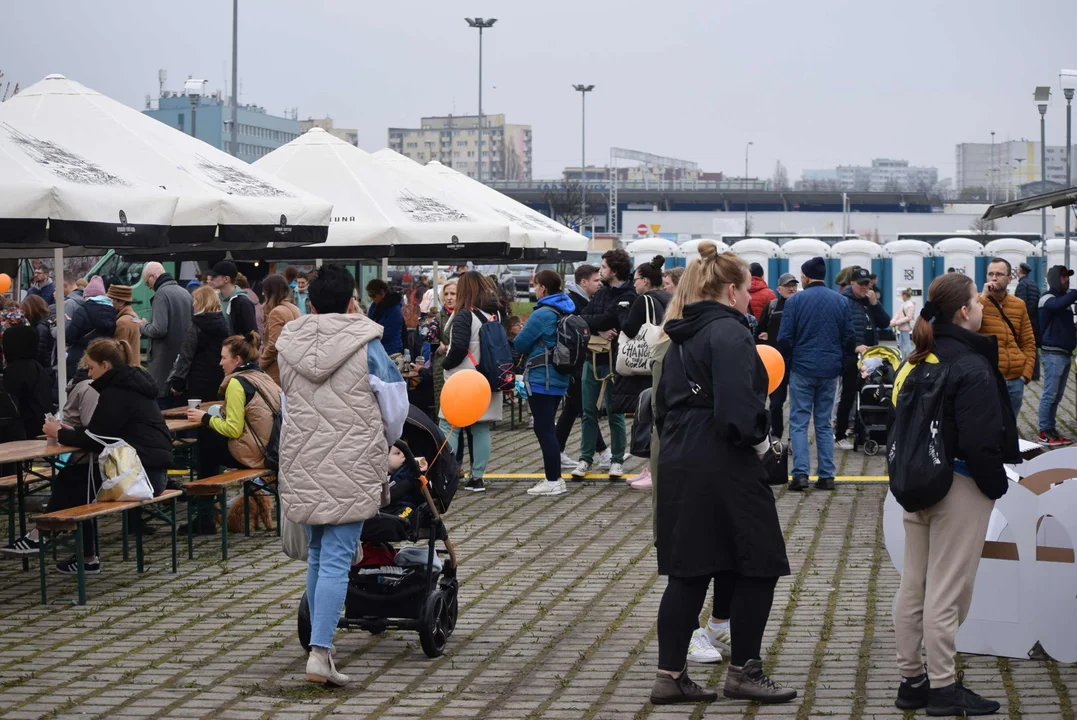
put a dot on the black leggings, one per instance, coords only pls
(213, 453)
(71, 488)
(746, 601)
(571, 409)
(543, 409)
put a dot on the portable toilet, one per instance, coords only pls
(801, 250)
(1015, 251)
(1056, 252)
(689, 251)
(964, 255)
(643, 251)
(766, 253)
(910, 267)
(862, 253)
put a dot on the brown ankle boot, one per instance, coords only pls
(669, 690)
(751, 683)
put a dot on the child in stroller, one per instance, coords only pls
(874, 411)
(413, 588)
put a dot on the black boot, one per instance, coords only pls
(798, 483)
(957, 700)
(912, 693)
(669, 690)
(824, 484)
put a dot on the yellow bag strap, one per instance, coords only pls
(903, 372)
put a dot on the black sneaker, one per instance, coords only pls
(958, 700)
(475, 485)
(798, 483)
(912, 693)
(824, 484)
(25, 545)
(70, 567)
(668, 690)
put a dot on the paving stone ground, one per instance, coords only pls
(558, 604)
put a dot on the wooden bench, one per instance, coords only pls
(217, 487)
(70, 520)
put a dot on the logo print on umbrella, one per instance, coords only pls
(283, 228)
(123, 228)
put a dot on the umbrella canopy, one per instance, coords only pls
(542, 237)
(382, 211)
(58, 128)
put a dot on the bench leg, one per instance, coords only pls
(223, 499)
(80, 563)
(172, 504)
(246, 499)
(11, 519)
(41, 557)
(125, 532)
(20, 493)
(138, 538)
(190, 525)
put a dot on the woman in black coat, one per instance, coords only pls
(25, 380)
(714, 512)
(197, 371)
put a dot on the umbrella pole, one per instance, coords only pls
(385, 269)
(61, 326)
(434, 285)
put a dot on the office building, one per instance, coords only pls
(209, 117)
(348, 135)
(883, 175)
(453, 140)
(1000, 169)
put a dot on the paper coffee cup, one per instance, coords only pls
(193, 404)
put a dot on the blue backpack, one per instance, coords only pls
(495, 355)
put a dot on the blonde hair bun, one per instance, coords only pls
(707, 250)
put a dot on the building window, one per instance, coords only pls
(180, 122)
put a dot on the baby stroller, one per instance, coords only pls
(878, 367)
(414, 596)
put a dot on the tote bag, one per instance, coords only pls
(635, 356)
(122, 476)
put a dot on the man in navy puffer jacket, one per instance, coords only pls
(545, 386)
(815, 336)
(1058, 340)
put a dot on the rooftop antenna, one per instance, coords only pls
(162, 78)
(147, 101)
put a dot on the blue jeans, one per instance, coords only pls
(480, 444)
(1016, 389)
(1056, 371)
(809, 398)
(330, 551)
(904, 343)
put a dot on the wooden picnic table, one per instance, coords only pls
(181, 412)
(176, 425)
(24, 451)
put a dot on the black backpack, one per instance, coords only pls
(570, 350)
(495, 355)
(271, 450)
(920, 473)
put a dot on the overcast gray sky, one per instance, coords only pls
(814, 84)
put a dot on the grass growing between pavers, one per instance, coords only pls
(864, 655)
(1065, 706)
(1013, 699)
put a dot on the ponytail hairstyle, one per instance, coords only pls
(652, 271)
(946, 296)
(114, 352)
(244, 347)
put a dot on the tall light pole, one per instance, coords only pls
(991, 175)
(233, 135)
(1041, 97)
(583, 90)
(1017, 185)
(481, 25)
(745, 183)
(1068, 80)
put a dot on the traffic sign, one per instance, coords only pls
(642, 230)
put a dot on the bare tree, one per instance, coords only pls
(5, 91)
(984, 228)
(780, 181)
(566, 204)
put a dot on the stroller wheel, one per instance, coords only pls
(451, 607)
(432, 630)
(871, 447)
(304, 623)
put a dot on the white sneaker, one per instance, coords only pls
(845, 444)
(322, 669)
(605, 458)
(567, 463)
(700, 649)
(582, 468)
(546, 487)
(617, 470)
(719, 639)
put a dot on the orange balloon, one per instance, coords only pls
(5, 282)
(775, 365)
(465, 398)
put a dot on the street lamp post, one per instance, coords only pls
(1041, 97)
(991, 181)
(583, 90)
(234, 133)
(481, 25)
(748, 145)
(1068, 80)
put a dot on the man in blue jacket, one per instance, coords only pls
(385, 309)
(868, 316)
(1059, 339)
(815, 337)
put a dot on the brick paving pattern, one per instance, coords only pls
(557, 620)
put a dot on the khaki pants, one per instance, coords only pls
(942, 552)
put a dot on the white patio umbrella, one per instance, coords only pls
(380, 211)
(544, 236)
(67, 129)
